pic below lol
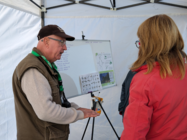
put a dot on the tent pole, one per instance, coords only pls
(43, 13)
(42, 17)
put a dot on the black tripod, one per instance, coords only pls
(93, 108)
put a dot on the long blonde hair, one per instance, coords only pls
(160, 40)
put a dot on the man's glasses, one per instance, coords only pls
(137, 44)
(62, 42)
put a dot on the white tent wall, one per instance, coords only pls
(18, 35)
(121, 31)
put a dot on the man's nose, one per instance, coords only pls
(64, 47)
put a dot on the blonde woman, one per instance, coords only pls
(157, 107)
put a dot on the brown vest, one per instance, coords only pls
(29, 126)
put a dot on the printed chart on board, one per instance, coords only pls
(90, 82)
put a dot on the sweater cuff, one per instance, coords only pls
(74, 105)
(80, 115)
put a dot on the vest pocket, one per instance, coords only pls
(56, 134)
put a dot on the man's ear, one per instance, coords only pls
(46, 41)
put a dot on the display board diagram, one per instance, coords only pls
(82, 58)
(104, 61)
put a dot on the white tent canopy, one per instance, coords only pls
(20, 22)
(23, 5)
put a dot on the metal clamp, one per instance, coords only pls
(152, 1)
(113, 9)
(77, 2)
(43, 9)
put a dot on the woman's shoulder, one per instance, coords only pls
(143, 79)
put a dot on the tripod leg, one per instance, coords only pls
(94, 106)
(109, 120)
(93, 127)
(85, 129)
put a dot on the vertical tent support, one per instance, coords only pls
(43, 10)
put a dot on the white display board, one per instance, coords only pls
(84, 57)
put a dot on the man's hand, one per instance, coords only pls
(88, 112)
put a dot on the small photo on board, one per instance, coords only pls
(104, 78)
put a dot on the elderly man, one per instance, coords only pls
(42, 110)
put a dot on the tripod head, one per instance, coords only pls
(83, 35)
(92, 95)
(96, 101)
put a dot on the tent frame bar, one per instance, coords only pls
(169, 4)
(114, 4)
(104, 7)
(81, 2)
(133, 5)
(36, 4)
(57, 6)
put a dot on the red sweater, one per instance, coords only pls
(157, 107)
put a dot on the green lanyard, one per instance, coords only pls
(53, 67)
